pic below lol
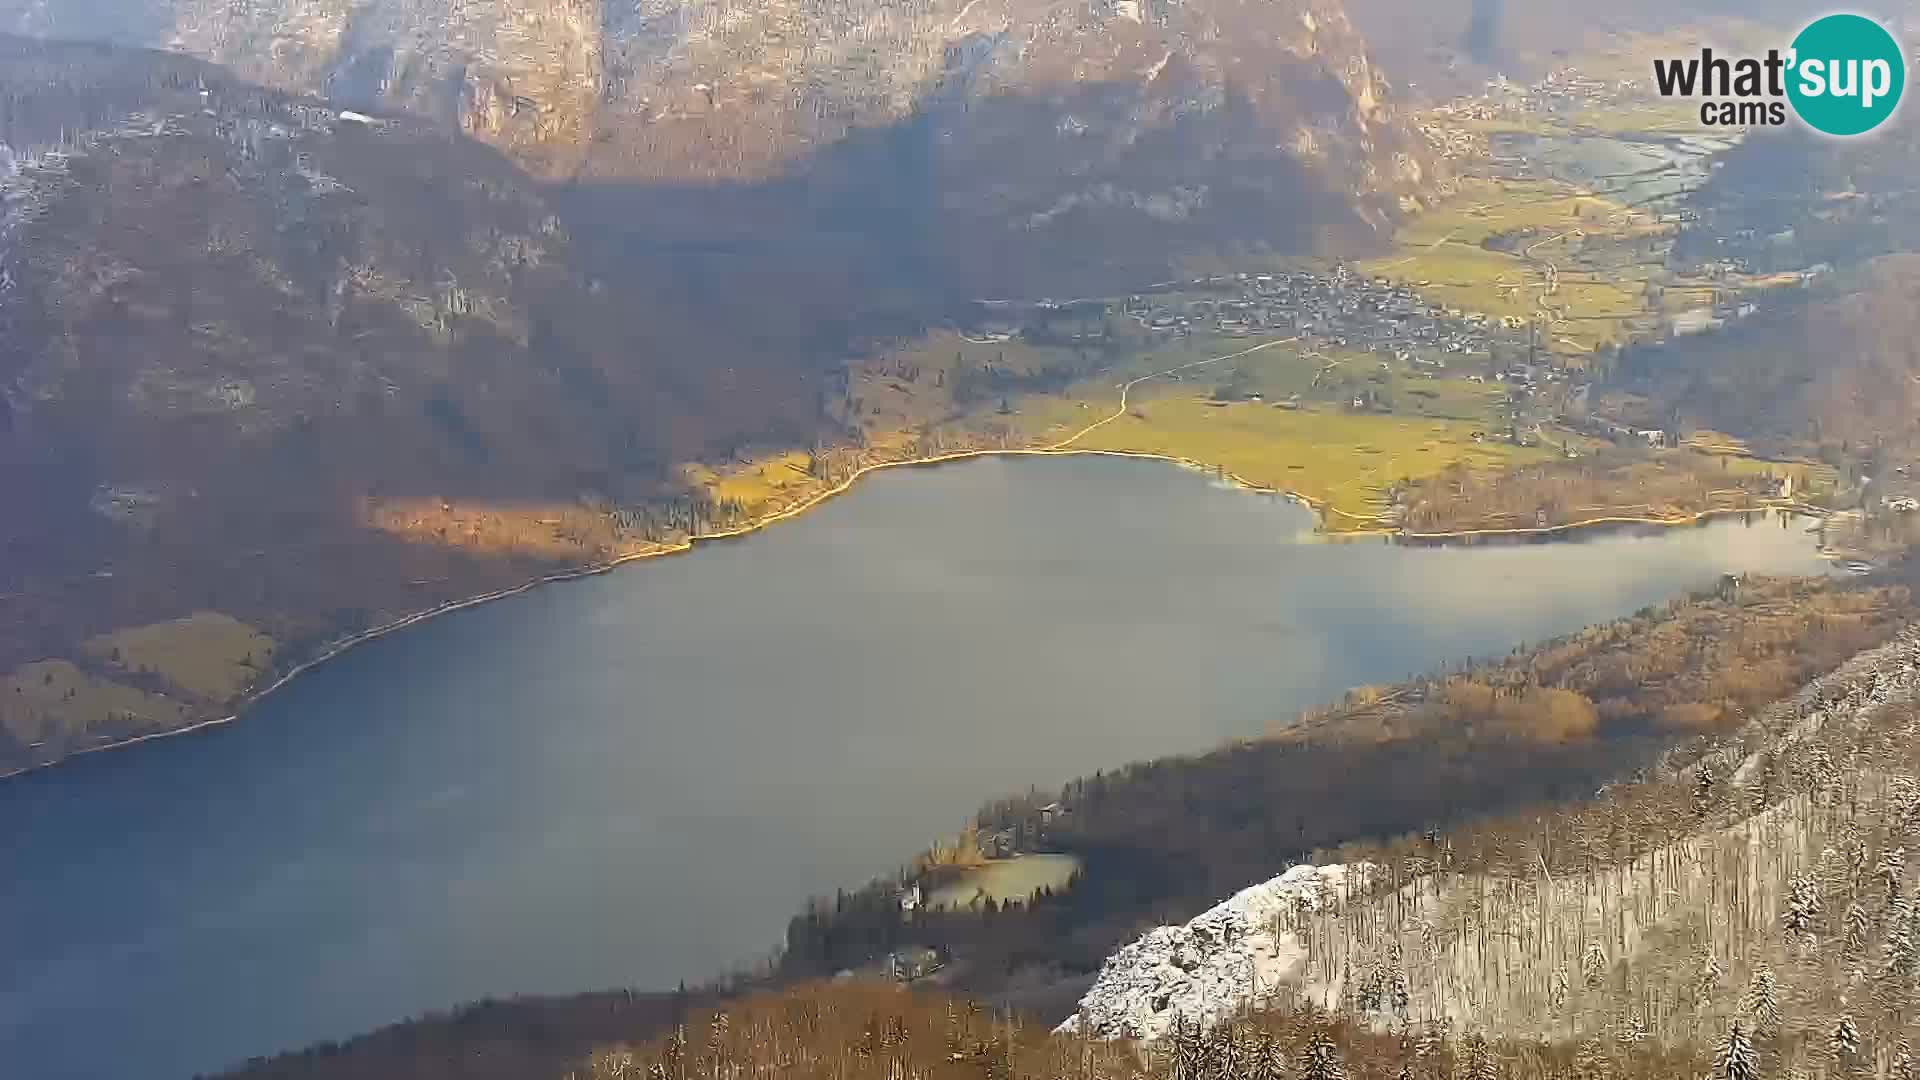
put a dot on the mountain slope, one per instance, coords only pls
(273, 373)
(1832, 373)
(1775, 857)
(1042, 124)
(307, 372)
(1829, 368)
(524, 75)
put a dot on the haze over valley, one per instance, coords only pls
(1409, 397)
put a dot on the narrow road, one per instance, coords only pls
(1552, 283)
(1127, 388)
(1435, 246)
(1557, 236)
(963, 14)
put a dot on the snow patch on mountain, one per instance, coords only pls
(1235, 955)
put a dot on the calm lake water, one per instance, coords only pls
(636, 779)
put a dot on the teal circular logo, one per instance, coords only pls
(1847, 75)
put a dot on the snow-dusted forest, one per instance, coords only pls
(1751, 890)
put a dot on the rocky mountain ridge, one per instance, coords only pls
(477, 65)
(1026, 111)
(1795, 840)
(1218, 964)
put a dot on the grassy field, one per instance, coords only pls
(1341, 460)
(934, 379)
(137, 679)
(1280, 418)
(52, 700)
(1661, 117)
(1331, 375)
(1656, 117)
(1444, 254)
(1732, 457)
(765, 482)
(208, 655)
(1006, 879)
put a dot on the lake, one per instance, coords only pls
(636, 779)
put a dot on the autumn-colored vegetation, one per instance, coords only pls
(1161, 840)
(1613, 484)
(858, 1030)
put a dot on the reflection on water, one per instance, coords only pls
(638, 778)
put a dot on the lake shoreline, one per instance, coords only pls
(1319, 511)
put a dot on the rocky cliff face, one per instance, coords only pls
(1004, 147)
(1235, 956)
(758, 83)
(522, 75)
(1143, 110)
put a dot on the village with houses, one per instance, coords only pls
(1341, 309)
(1362, 331)
(1457, 129)
(1505, 311)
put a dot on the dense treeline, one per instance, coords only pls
(1796, 200)
(1825, 373)
(1615, 483)
(1822, 370)
(853, 1032)
(491, 1040)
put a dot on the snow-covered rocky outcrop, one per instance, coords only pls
(1235, 954)
(1680, 929)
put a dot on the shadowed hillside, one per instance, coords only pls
(1826, 366)
(305, 371)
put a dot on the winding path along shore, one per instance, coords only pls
(1064, 447)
